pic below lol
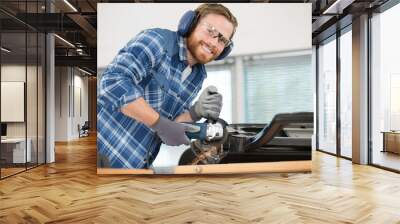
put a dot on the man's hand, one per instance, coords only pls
(173, 133)
(208, 106)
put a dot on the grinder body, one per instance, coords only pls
(207, 131)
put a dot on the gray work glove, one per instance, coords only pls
(173, 133)
(208, 106)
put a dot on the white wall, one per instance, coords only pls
(80, 83)
(263, 28)
(13, 73)
(13, 81)
(61, 103)
(66, 121)
(33, 125)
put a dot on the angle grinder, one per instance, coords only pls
(209, 131)
(208, 148)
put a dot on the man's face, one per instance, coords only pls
(209, 38)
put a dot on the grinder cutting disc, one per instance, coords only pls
(211, 151)
(207, 151)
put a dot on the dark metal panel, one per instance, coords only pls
(84, 24)
(369, 78)
(338, 73)
(386, 5)
(329, 32)
(10, 18)
(321, 22)
(317, 96)
(337, 7)
(49, 22)
(81, 61)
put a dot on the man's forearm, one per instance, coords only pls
(141, 111)
(185, 117)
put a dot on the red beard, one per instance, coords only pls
(202, 52)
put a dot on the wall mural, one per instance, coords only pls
(156, 117)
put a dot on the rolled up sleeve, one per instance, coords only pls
(121, 84)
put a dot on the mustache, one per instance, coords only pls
(210, 46)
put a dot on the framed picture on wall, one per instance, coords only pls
(12, 101)
(160, 99)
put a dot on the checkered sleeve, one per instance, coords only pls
(121, 83)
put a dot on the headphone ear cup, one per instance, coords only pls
(227, 50)
(186, 22)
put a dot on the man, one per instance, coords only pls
(147, 91)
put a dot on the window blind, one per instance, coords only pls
(277, 85)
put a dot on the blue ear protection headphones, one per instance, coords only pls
(188, 23)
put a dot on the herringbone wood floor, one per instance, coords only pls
(69, 191)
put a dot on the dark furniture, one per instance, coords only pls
(84, 130)
(391, 141)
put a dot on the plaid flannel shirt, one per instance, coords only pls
(149, 66)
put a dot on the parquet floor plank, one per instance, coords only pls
(70, 191)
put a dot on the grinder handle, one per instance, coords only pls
(196, 130)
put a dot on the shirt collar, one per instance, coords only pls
(182, 48)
